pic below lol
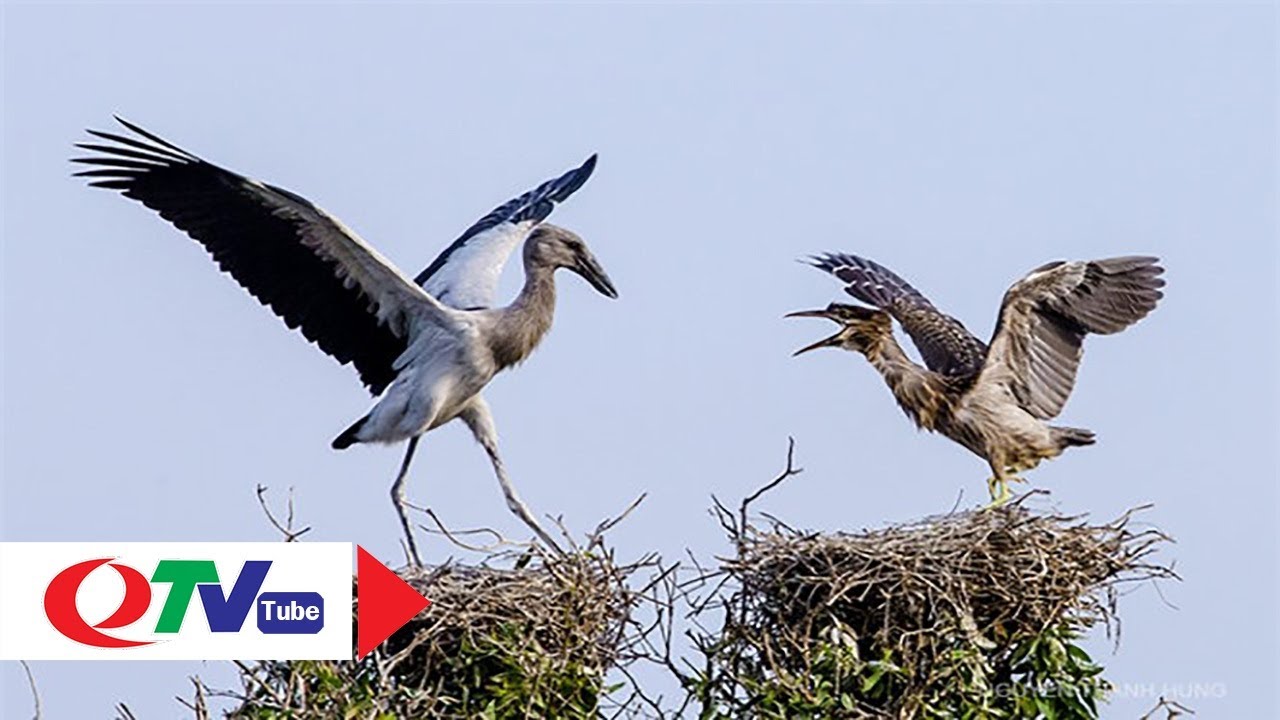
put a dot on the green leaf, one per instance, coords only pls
(871, 681)
(1078, 654)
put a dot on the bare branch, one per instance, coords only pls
(499, 542)
(786, 473)
(609, 523)
(198, 705)
(1172, 710)
(285, 529)
(35, 692)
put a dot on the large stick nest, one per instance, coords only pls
(523, 634)
(945, 611)
(990, 574)
(549, 631)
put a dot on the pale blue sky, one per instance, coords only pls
(145, 395)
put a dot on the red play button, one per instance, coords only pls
(384, 603)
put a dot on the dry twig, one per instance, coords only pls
(35, 692)
(286, 528)
(1172, 710)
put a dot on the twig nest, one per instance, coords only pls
(559, 620)
(933, 618)
(517, 636)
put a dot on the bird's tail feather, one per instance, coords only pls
(1070, 437)
(348, 436)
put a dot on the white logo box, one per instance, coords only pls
(26, 570)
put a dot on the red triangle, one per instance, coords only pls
(384, 603)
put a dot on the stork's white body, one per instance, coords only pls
(438, 378)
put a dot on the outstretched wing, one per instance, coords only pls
(309, 268)
(945, 344)
(466, 274)
(1038, 342)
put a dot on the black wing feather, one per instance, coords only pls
(257, 247)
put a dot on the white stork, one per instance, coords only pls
(425, 347)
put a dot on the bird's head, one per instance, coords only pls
(861, 328)
(555, 247)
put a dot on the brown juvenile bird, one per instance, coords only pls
(992, 400)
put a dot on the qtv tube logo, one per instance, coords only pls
(184, 577)
(175, 601)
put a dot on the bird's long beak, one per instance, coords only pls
(832, 341)
(590, 270)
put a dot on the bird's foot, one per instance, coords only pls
(1005, 493)
(999, 489)
(411, 551)
(522, 511)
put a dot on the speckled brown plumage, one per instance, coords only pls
(992, 400)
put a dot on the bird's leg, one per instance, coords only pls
(1005, 492)
(477, 417)
(998, 483)
(515, 503)
(402, 503)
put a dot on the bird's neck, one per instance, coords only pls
(527, 319)
(919, 391)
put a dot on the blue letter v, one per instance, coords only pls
(228, 615)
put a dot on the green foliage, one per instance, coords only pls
(1055, 678)
(838, 684)
(329, 688)
(498, 676)
(501, 676)
(1041, 677)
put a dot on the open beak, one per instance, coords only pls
(832, 341)
(590, 270)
